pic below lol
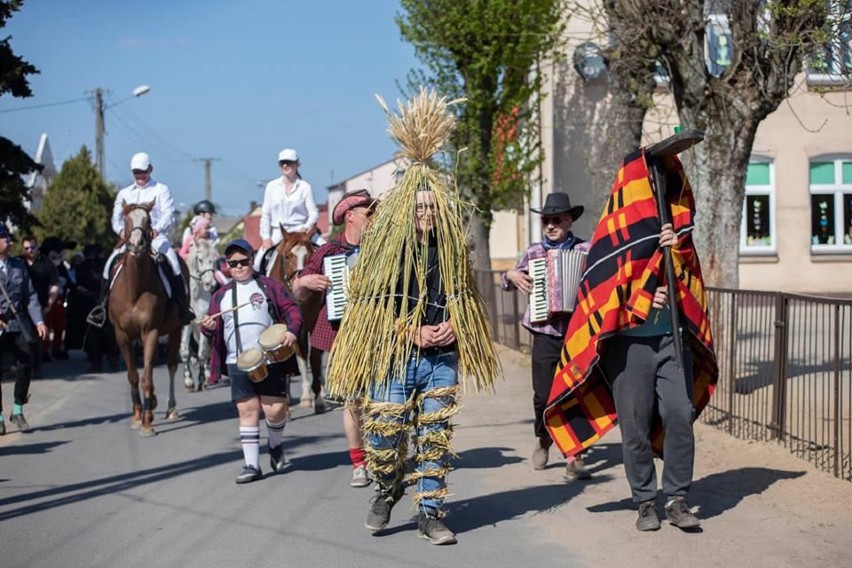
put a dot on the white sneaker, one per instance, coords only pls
(360, 477)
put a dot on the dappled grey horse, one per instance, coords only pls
(202, 281)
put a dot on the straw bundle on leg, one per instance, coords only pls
(375, 338)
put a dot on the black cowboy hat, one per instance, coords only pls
(57, 244)
(557, 203)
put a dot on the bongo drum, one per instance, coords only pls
(252, 362)
(272, 342)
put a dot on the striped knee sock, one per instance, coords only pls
(250, 439)
(356, 455)
(276, 432)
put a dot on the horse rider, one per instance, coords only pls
(146, 190)
(288, 201)
(205, 209)
(17, 297)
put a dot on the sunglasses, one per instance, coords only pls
(241, 262)
(552, 220)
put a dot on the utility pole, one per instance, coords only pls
(99, 130)
(208, 187)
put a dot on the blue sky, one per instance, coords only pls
(232, 80)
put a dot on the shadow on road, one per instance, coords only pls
(29, 449)
(78, 492)
(94, 420)
(485, 458)
(488, 510)
(723, 491)
(716, 493)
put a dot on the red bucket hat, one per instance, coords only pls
(350, 200)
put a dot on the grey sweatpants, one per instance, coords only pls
(645, 379)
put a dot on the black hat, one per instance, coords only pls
(557, 203)
(57, 244)
(204, 206)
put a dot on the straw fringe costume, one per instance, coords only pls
(404, 282)
(624, 268)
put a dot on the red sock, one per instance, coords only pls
(357, 457)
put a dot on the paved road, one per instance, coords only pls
(83, 490)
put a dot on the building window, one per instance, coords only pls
(831, 205)
(757, 233)
(831, 65)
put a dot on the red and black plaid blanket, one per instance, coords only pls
(624, 267)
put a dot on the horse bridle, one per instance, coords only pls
(201, 273)
(147, 235)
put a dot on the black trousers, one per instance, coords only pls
(13, 349)
(645, 380)
(546, 350)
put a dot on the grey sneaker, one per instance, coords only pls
(249, 474)
(380, 511)
(19, 421)
(360, 477)
(576, 469)
(277, 461)
(540, 453)
(648, 519)
(678, 514)
(430, 527)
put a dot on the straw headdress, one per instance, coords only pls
(375, 338)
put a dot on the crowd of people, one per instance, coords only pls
(54, 295)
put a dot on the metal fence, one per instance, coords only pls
(785, 367)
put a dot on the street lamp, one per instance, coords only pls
(100, 107)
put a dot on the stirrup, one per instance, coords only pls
(97, 317)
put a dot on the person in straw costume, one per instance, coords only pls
(414, 325)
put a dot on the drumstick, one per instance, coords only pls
(217, 314)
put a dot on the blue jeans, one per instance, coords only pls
(428, 388)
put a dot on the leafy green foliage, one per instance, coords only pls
(487, 51)
(14, 162)
(78, 204)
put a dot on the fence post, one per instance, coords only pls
(837, 417)
(779, 383)
(732, 355)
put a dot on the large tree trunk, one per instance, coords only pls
(716, 170)
(480, 236)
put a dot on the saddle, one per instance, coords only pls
(164, 268)
(268, 260)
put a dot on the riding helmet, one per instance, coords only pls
(204, 206)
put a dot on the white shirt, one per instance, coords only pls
(296, 210)
(162, 215)
(254, 318)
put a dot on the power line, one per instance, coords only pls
(46, 105)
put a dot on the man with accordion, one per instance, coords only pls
(549, 272)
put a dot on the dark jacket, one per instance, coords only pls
(24, 298)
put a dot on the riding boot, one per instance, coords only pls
(181, 301)
(97, 317)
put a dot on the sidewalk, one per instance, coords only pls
(759, 505)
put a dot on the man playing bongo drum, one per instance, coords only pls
(239, 312)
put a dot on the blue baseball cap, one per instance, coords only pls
(239, 244)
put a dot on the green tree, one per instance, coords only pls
(78, 204)
(487, 52)
(14, 162)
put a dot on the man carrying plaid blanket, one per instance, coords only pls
(619, 361)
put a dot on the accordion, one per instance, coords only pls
(336, 269)
(555, 282)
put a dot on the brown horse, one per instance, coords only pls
(291, 255)
(139, 309)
